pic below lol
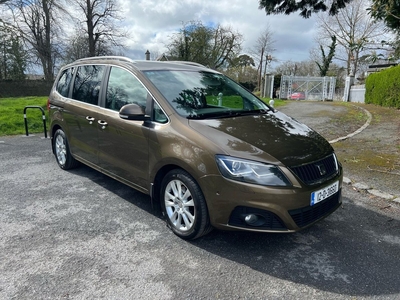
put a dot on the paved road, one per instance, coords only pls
(82, 235)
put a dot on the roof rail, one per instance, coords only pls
(191, 63)
(121, 58)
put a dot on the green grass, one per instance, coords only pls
(237, 101)
(277, 102)
(233, 101)
(12, 115)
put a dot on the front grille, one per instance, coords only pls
(317, 171)
(307, 215)
(272, 221)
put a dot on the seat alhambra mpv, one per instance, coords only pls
(211, 153)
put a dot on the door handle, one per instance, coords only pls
(103, 124)
(90, 119)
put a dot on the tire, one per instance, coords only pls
(61, 151)
(183, 205)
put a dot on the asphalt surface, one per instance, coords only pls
(81, 235)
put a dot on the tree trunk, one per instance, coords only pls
(90, 28)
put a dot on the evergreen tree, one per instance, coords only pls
(326, 60)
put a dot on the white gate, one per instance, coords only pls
(314, 88)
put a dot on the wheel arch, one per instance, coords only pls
(53, 130)
(156, 184)
(157, 181)
(200, 224)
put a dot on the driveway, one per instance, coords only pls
(82, 235)
(372, 156)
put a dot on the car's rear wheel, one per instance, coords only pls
(61, 151)
(183, 205)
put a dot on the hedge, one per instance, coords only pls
(383, 88)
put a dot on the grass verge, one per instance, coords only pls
(12, 115)
(373, 156)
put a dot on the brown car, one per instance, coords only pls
(207, 150)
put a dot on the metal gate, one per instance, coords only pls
(309, 88)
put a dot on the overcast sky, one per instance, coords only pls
(152, 22)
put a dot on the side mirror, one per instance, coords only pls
(132, 112)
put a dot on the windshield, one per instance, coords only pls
(199, 95)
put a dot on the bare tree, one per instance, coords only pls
(76, 47)
(354, 30)
(35, 20)
(303, 68)
(227, 44)
(100, 17)
(262, 50)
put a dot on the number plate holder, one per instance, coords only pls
(324, 193)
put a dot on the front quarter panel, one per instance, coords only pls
(176, 144)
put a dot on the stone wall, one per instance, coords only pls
(24, 88)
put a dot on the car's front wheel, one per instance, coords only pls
(183, 205)
(61, 151)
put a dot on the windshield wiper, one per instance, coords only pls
(227, 114)
(214, 115)
(252, 112)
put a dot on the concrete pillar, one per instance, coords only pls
(347, 87)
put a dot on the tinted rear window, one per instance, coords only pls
(87, 83)
(64, 82)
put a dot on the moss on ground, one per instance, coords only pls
(374, 155)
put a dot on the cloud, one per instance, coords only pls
(152, 22)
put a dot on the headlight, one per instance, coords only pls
(251, 172)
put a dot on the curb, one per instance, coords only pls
(363, 186)
(372, 191)
(358, 130)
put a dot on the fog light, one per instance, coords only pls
(251, 219)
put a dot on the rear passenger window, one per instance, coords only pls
(64, 82)
(124, 88)
(87, 83)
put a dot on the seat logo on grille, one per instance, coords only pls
(321, 169)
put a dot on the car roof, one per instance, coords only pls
(144, 65)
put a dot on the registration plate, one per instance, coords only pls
(324, 193)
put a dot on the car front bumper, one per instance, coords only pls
(274, 209)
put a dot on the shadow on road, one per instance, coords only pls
(355, 251)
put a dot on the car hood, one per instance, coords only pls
(273, 137)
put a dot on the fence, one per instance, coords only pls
(22, 88)
(314, 88)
